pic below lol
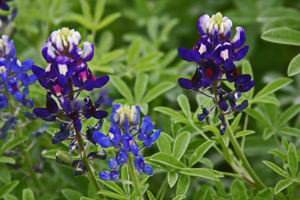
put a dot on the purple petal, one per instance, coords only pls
(223, 105)
(89, 85)
(248, 86)
(242, 106)
(185, 83)
(229, 64)
(148, 170)
(100, 114)
(39, 72)
(189, 55)
(100, 82)
(88, 51)
(77, 124)
(243, 79)
(239, 38)
(27, 64)
(241, 53)
(201, 24)
(41, 112)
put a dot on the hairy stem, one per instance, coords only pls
(134, 176)
(237, 147)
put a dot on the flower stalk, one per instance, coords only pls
(134, 176)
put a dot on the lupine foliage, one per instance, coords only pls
(177, 76)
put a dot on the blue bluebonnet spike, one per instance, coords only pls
(223, 55)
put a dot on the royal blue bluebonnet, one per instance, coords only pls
(215, 54)
(122, 135)
(64, 78)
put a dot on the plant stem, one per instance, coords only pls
(161, 188)
(134, 177)
(237, 147)
(90, 173)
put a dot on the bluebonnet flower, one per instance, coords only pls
(15, 81)
(122, 132)
(215, 55)
(65, 77)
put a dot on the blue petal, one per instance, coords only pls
(105, 175)
(112, 163)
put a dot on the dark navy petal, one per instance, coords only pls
(89, 85)
(203, 115)
(229, 64)
(206, 82)
(223, 105)
(189, 55)
(185, 83)
(100, 82)
(77, 124)
(41, 112)
(100, 114)
(243, 79)
(242, 106)
(65, 104)
(248, 86)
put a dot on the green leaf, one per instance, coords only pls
(181, 143)
(5, 175)
(143, 190)
(106, 21)
(288, 114)
(277, 169)
(50, 154)
(7, 188)
(99, 8)
(28, 194)
(71, 194)
(184, 105)
(86, 10)
(294, 66)
(152, 28)
(134, 52)
(238, 190)
(290, 131)
(179, 197)
(165, 32)
(273, 87)
(212, 129)
(236, 121)
(85, 198)
(282, 185)
(111, 194)
(150, 195)
(282, 36)
(268, 133)
(256, 115)
(108, 57)
(264, 194)
(164, 145)
(199, 172)
(172, 178)
(183, 185)
(170, 112)
(113, 186)
(158, 90)
(266, 99)
(244, 133)
(10, 197)
(13, 143)
(125, 176)
(200, 151)
(140, 86)
(292, 160)
(121, 86)
(167, 160)
(7, 160)
(278, 153)
(272, 14)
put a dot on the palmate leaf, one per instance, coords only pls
(282, 36)
(292, 160)
(113, 186)
(273, 14)
(7, 160)
(199, 172)
(71, 194)
(288, 114)
(150, 195)
(112, 195)
(121, 86)
(164, 144)
(133, 52)
(170, 112)
(157, 91)
(106, 21)
(277, 169)
(7, 188)
(264, 194)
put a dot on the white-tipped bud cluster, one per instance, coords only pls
(7, 48)
(216, 23)
(65, 39)
(130, 112)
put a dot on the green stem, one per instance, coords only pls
(291, 191)
(245, 128)
(237, 147)
(161, 188)
(134, 176)
(90, 173)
